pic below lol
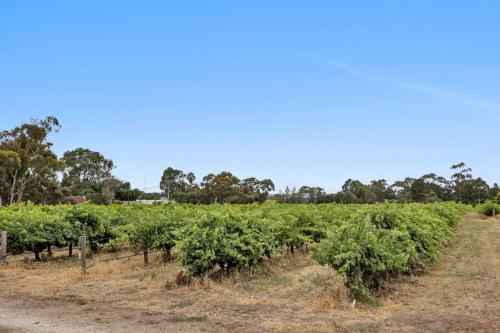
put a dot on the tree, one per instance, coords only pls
(472, 191)
(381, 191)
(172, 181)
(150, 196)
(361, 191)
(9, 163)
(124, 192)
(190, 178)
(255, 190)
(428, 188)
(45, 189)
(419, 190)
(86, 172)
(311, 194)
(223, 185)
(402, 189)
(466, 188)
(108, 189)
(462, 173)
(438, 185)
(36, 159)
(222, 188)
(344, 198)
(495, 191)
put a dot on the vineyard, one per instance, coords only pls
(489, 208)
(365, 243)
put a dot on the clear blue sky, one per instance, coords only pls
(302, 92)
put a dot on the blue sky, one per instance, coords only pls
(302, 92)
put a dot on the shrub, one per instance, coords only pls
(386, 240)
(488, 208)
(225, 240)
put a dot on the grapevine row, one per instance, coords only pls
(365, 243)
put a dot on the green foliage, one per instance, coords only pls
(85, 171)
(125, 192)
(385, 240)
(90, 221)
(366, 243)
(488, 208)
(27, 164)
(225, 240)
(220, 188)
(362, 252)
(295, 229)
(32, 228)
(154, 228)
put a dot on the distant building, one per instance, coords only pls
(150, 202)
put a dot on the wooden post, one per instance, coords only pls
(83, 252)
(494, 212)
(3, 245)
(146, 261)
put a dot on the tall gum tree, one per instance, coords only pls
(35, 159)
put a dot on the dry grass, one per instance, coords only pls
(284, 289)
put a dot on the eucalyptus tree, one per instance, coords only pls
(85, 171)
(172, 181)
(27, 157)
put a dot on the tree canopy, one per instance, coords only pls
(214, 188)
(461, 187)
(28, 165)
(85, 170)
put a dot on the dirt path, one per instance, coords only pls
(461, 294)
(54, 317)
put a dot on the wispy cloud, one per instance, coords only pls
(475, 102)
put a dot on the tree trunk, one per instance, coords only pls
(70, 251)
(20, 193)
(49, 250)
(146, 258)
(13, 188)
(166, 255)
(37, 256)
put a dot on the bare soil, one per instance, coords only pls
(289, 294)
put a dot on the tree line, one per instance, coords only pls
(213, 188)
(31, 171)
(461, 187)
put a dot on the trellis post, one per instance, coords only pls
(83, 253)
(3, 245)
